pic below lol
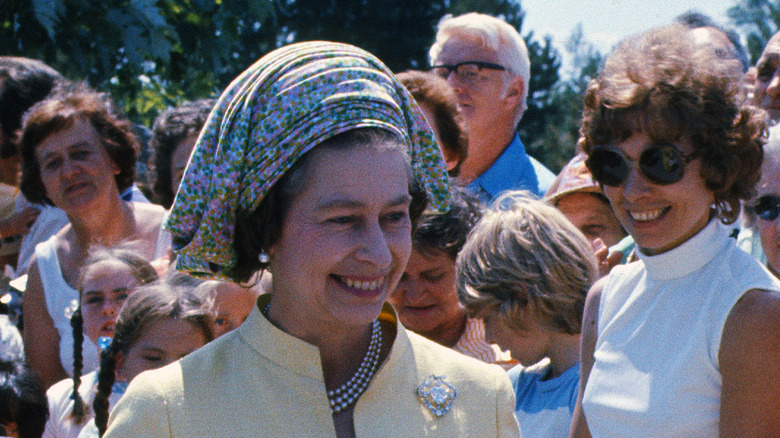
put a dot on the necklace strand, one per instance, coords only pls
(347, 394)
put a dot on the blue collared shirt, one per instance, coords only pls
(513, 170)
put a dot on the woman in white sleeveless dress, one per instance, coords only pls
(79, 155)
(681, 343)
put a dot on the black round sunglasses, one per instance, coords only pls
(767, 207)
(662, 164)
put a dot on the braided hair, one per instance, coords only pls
(78, 415)
(143, 273)
(171, 297)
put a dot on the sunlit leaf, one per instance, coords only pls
(48, 12)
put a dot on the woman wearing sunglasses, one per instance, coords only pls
(685, 342)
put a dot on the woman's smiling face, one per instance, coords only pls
(660, 217)
(345, 239)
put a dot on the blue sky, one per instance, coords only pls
(605, 22)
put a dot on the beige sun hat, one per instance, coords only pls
(573, 178)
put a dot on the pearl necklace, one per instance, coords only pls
(347, 394)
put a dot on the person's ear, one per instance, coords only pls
(515, 91)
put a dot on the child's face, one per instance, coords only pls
(162, 342)
(105, 287)
(527, 346)
(233, 303)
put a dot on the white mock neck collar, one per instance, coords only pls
(689, 257)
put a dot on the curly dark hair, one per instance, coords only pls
(260, 229)
(57, 112)
(664, 85)
(429, 89)
(447, 232)
(170, 128)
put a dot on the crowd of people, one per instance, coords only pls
(332, 249)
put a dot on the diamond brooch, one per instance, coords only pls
(437, 394)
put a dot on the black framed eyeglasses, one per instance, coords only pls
(767, 207)
(662, 164)
(467, 71)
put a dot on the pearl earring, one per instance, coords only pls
(263, 257)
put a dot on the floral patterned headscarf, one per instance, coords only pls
(289, 101)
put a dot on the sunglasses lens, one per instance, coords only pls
(662, 164)
(768, 207)
(607, 166)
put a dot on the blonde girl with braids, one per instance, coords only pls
(159, 324)
(107, 279)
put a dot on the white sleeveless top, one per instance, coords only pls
(656, 370)
(62, 300)
(60, 424)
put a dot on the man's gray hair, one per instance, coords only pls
(492, 33)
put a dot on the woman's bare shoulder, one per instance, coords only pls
(755, 316)
(149, 219)
(751, 335)
(147, 208)
(148, 215)
(748, 358)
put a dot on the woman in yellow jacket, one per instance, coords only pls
(313, 166)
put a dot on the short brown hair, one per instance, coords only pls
(663, 84)
(434, 91)
(524, 255)
(59, 111)
(170, 128)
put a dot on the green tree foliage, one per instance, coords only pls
(759, 20)
(543, 110)
(154, 53)
(555, 141)
(148, 53)
(508, 10)
(399, 32)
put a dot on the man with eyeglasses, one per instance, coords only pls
(486, 62)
